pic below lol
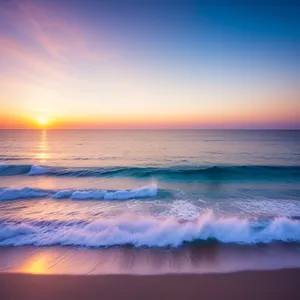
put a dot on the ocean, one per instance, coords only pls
(152, 194)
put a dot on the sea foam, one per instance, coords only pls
(28, 193)
(13, 193)
(37, 170)
(150, 231)
(274, 207)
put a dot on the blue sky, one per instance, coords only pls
(156, 64)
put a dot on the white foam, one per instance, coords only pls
(287, 208)
(27, 192)
(15, 229)
(154, 232)
(63, 194)
(86, 195)
(37, 170)
(13, 194)
(143, 192)
(182, 209)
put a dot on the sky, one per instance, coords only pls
(150, 64)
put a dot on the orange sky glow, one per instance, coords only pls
(60, 68)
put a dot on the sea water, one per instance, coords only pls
(149, 188)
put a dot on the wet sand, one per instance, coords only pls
(203, 259)
(280, 284)
(208, 272)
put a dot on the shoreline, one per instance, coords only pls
(276, 284)
(202, 259)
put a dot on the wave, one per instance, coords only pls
(147, 231)
(29, 193)
(13, 194)
(217, 173)
(38, 170)
(6, 157)
(11, 170)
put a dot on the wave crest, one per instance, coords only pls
(149, 231)
(28, 193)
(24, 193)
(37, 170)
(192, 172)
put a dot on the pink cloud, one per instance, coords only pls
(50, 29)
(25, 62)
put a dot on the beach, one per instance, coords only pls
(204, 272)
(280, 284)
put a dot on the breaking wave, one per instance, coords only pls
(149, 231)
(29, 193)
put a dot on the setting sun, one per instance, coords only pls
(43, 120)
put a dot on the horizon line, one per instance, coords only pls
(246, 129)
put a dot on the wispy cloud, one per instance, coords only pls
(22, 59)
(42, 37)
(52, 28)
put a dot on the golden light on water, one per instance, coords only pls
(43, 151)
(37, 266)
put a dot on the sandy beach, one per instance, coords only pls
(280, 284)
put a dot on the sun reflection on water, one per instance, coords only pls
(43, 149)
(38, 264)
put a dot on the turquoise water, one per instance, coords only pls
(148, 188)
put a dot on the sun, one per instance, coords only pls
(42, 120)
